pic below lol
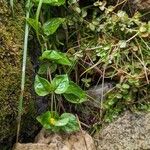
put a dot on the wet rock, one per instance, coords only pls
(49, 141)
(129, 132)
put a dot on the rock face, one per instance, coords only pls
(47, 141)
(129, 132)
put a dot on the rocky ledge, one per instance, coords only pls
(129, 132)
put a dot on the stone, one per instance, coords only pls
(96, 93)
(130, 132)
(32, 146)
(142, 4)
(53, 141)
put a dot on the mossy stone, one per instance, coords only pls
(11, 49)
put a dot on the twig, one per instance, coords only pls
(132, 37)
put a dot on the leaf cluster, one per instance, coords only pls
(65, 123)
(97, 42)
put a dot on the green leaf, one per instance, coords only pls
(75, 94)
(119, 96)
(42, 86)
(60, 83)
(125, 86)
(52, 25)
(110, 102)
(66, 122)
(62, 122)
(122, 44)
(73, 98)
(52, 2)
(44, 67)
(33, 24)
(72, 124)
(57, 57)
(44, 119)
(112, 113)
(70, 116)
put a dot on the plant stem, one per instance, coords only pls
(52, 95)
(12, 7)
(20, 107)
(37, 20)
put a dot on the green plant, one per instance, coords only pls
(51, 61)
(65, 123)
(95, 41)
(60, 84)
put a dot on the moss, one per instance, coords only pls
(11, 43)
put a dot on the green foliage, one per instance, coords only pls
(45, 66)
(42, 86)
(75, 94)
(143, 106)
(71, 125)
(57, 57)
(65, 123)
(47, 119)
(60, 83)
(52, 25)
(32, 23)
(52, 2)
(95, 41)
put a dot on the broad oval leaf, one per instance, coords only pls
(57, 57)
(52, 2)
(60, 83)
(75, 94)
(42, 86)
(52, 25)
(72, 125)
